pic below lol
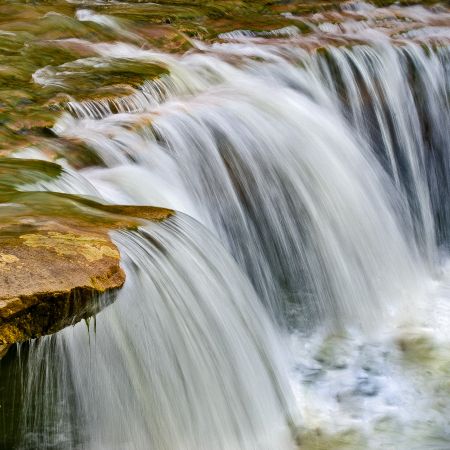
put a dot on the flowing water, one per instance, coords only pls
(187, 343)
(301, 295)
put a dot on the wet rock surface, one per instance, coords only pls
(56, 254)
(49, 275)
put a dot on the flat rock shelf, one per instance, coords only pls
(55, 271)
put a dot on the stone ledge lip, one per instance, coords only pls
(56, 270)
(61, 266)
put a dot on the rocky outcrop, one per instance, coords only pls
(49, 276)
(58, 264)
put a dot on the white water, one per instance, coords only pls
(185, 343)
(271, 172)
(325, 175)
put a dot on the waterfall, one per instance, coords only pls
(397, 99)
(276, 170)
(310, 174)
(184, 359)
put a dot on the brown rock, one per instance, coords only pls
(53, 268)
(48, 278)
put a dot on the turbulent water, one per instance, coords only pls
(305, 301)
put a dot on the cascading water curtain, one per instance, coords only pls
(310, 275)
(185, 358)
(397, 99)
(267, 160)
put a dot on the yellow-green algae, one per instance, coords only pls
(92, 248)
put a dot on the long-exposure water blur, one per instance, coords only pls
(224, 225)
